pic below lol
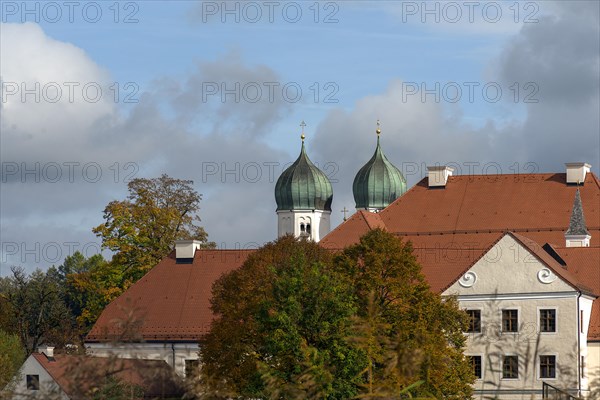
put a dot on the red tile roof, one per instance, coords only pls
(584, 262)
(473, 203)
(450, 228)
(171, 302)
(76, 374)
(357, 225)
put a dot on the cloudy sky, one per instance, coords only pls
(96, 93)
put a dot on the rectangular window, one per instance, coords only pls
(191, 366)
(582, 367)
(476, 364)
(475, 321)
(581, 321)
(547, 366)
(510, 320)
(547, 320)
(33, 382)
(510, 367)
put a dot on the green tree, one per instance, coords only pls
(141, 230)
(12, 356)
(410, 333)
(283, 319)
(83, 289)
(36, 308)
(296, 322)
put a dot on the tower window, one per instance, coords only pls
(302, 227)
(308, 228)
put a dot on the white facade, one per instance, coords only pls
(510, 277)
(312, 224)
(174, 353)
(32, 370)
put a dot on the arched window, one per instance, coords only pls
(302, 227)
(308, 228)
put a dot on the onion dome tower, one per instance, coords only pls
(378, 183)
(303, 194)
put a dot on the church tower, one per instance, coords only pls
(303, 194)
(378, 183)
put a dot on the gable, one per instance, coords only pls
(509, 267)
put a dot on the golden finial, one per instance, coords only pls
(302, 124)
(378, 130)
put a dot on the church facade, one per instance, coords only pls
(515, 249)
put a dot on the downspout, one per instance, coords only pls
(173, 351)
(579, 366)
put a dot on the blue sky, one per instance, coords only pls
(372, 58)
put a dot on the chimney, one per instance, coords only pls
(48, 351)
(438, 175)
(576, 172)
(185, 250)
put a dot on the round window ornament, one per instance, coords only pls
(546, 276)
(468, 279)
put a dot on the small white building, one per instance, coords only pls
(49, 376)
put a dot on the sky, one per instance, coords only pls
(96, 93)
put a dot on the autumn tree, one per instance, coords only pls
(141, 230)
(281, 327)
(410, 333)
(88, 285)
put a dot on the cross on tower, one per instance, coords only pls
(302, 124)
(345, 210)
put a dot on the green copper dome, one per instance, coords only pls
(378, 183)
(303, 186)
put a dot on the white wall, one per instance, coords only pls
(593, 369)
(148, 351)
(48, 388)
(288, 222)
(508, 276)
